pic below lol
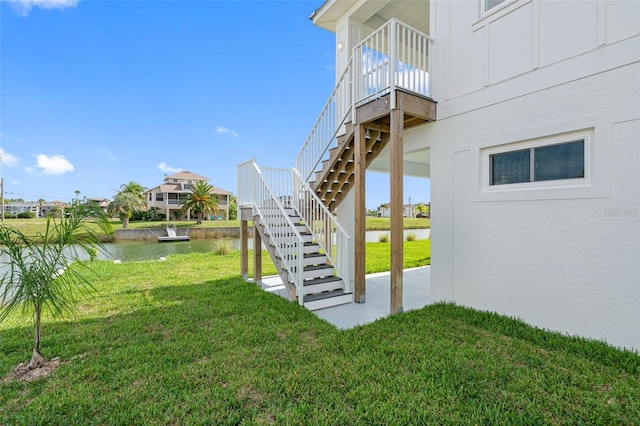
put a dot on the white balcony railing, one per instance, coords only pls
(396, 56)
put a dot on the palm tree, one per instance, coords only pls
(44, 272)
(40, 203)
(133, 188)
(200, 200)
(124, 204)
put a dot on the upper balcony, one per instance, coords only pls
(389, 63)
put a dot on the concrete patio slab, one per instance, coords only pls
(417, 293)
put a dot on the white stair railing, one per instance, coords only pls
(327, 232)
(270, 195)
(395, 49)
(327, 127)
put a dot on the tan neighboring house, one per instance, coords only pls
(169, 195)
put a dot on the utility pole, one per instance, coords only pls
(2, 189)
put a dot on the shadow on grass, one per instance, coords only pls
(226, 352)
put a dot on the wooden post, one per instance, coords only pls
(396, 160)
(360, 160)
(244, 250)
(257, 252)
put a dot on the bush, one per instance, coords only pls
(8, 215)
(384, 238)
(26, 215)
(411, 237)
(222, 247)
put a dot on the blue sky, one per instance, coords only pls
(94, 94)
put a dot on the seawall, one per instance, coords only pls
(152, 234)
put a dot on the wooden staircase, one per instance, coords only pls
(321, 287)
(336, 176)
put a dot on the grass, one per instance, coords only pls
(187, 341)
(384, 224)
(32, 226)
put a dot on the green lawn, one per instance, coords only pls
(32, 226)
(187, 341)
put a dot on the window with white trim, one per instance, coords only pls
(552, 161)
(549, 162)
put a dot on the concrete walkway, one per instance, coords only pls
(417, 292)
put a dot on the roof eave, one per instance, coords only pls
(327, 15)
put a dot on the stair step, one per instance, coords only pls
(313, 258)
(317, 301)
(317, 271)
(322, 285)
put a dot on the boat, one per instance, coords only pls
(172, 235)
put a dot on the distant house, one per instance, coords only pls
(16, 207)
(103, 203)
(39, 209)
(51, 206)
(170, 194)
(408, 210)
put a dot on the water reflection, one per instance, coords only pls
(144, 250)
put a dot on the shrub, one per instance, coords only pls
(26, 215)
(222, 247)
(8, 215)
(384, 238)
(411, 237)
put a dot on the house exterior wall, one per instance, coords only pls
(564, 257)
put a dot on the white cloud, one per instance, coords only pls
(23, 7)
(109, 156)
(8, 160)
(224, 131)
(52, 165)
(165, 168)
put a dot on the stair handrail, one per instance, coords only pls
(332, 238)
(273, 215)
(328, 125)
(395, 49)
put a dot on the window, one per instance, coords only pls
(541, 163)
(159, 196)
(490, 4)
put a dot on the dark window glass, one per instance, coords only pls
(159, 196)
(510, 167)
(490, 4)
(563, 161)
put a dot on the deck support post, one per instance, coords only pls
(360, 167)
(396, 186)
(244, 250)
(257, 252)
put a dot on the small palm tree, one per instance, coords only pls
(200, 200)
(123, 205)
(40, 203)
(44, 272)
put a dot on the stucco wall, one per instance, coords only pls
(565, 258)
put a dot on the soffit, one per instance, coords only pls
(412, 12)
(374, 13)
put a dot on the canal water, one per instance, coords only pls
(135, 251)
